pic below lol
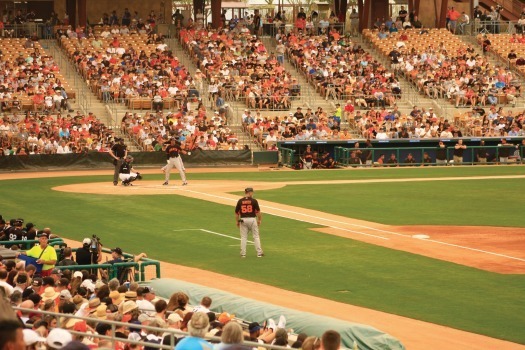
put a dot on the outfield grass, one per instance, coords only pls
(298, 258)
(462, 202)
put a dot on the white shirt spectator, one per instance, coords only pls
(381, 135)
(63, 149)
(446, 134)
(7, 287)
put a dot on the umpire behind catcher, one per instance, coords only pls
(248, 218)
(119, 151)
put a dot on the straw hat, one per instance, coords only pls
(129, 306)
(116, 297)
(50, 294)
(101, 312)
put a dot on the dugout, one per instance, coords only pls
(291, 151)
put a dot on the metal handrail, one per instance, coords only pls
(116, 324)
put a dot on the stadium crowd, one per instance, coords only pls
(194, 129)
(91, 295)
(47, 133)
(238, 65)
(340, 69)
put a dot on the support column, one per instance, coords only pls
(71, 10)
(340, 7)
(360, 9)
(364, 22)
(82, 13)
(416, 6)
(216, 14)
(198, 5)
(442, 20)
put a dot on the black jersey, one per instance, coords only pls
(247, 207)
(125, 168)
(119, 150)
(173, 151)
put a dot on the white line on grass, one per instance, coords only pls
(212, 232)
(363, 226)
(293, 212)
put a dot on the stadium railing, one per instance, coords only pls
(27, 244)
(287, 156)
(116, 324)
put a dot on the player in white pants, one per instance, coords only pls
(173, 151)
(127, 173)
(248, 218)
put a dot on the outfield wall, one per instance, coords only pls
(366, 337)
(98, 160)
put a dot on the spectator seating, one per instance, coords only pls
(440, 65)
(503, 44)
(114, 65)
(304, 124)
(53, 133)
(151, 131)
(238, 66)
(16, 91)
(344, 72)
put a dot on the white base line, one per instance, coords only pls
(363, 226)
(212, 232)
(293, 212)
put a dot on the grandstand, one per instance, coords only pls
(228, 90)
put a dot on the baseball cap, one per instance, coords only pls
(86, 241)
(31, 337)
(248, 189)
(78, 274)
(117, 250)
(65, 294)
(56, 272)
(254, 327)
(58, 338)
(43, 234)
(147, 290)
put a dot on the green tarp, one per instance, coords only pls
(366, 337)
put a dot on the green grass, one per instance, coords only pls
(298, 258)
(461, 202)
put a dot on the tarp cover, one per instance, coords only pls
(248, 309)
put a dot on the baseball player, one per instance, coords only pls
(127, 173)
(248, 218)
(173, 151)
(307, 158)
(119, 151)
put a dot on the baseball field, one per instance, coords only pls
(445, 246)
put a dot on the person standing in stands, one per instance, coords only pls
(248, 218)
(44, 253)
(119, 151)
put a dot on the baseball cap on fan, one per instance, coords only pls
(117, 250)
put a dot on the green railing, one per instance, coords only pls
(144, 262)
(138, 268)
(287, 156)
(27, 244)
